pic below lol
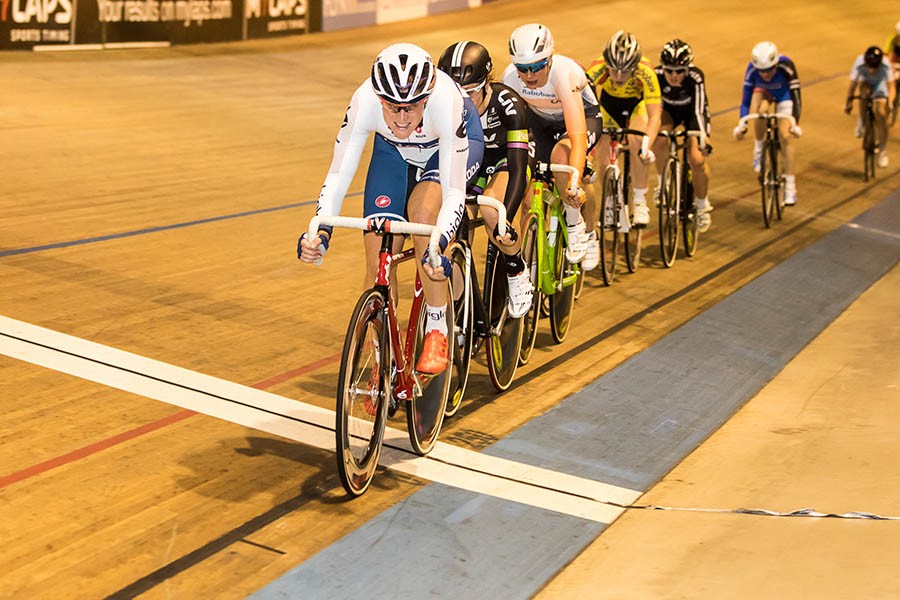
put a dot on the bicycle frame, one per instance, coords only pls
(867, 114)
(771, 145)
(549, 212)
(408, 383)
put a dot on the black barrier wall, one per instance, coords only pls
(25, 24)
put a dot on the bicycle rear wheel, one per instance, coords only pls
(502, 348)
(425, 412)
(463, 327)
(668, 213)
(690, 223)
(767, 184)
(608, 228)
(362, 396)
(869, 146)
(633, 240)
(563, 300)
(531, 257)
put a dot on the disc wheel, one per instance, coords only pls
(563, 300)
(362, 395)
(462, 328)
(531, 258)
(503, 346)
(690, 223)
(425, 410)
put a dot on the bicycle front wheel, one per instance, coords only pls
(668, 213)
(690, 223)
(563, 300)
(634, 243)
(463, 326)
(362, 396)
(506, 333)
(767, 184)
(425, 411)
(531, 257)
(608, 228)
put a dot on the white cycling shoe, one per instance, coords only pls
(882, 161)
(577, 247)
(592, 255)
(641, 214)
(520, 294)
(704, 219)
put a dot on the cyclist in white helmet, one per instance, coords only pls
(563, 117)
(771, 79)
(428, 141)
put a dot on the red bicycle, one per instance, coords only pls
(377, 362)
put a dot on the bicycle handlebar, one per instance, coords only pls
(685, 133)
(746, 118)
(556, 168)
(499, 207)
(382, 225)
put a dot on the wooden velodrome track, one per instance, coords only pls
(105, 492)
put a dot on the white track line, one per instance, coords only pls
(307, 424)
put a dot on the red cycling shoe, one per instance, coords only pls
(435, 353)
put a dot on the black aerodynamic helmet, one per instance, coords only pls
(873, 56)
(466, 62)
(676, 53)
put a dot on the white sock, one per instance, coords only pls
(573, 215)
(702, 203)
(757, 146)
(789, 181)
(640, 195)
(435, 318)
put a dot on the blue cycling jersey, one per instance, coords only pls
(782, 86)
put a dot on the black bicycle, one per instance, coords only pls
(771, 168)
(676, 198)
(869, 146)
(481, 316)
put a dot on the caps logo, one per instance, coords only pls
(383, 201)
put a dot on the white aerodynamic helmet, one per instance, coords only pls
(530, 43)
(764, 56)
(403, 74)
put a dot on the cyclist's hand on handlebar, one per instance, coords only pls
(848, 108)
(441, 272)
(796, 131)
(647, 156)
(506, 240)
(739, 132)
(574, 196)
(312, 250)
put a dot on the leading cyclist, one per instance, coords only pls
(563, 117)
(770, 79)
(504, 170)
(872, 73)
(427, 139)
(629, 97)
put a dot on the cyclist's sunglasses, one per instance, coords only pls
(769, 70)
(675, 70)
(396, 109)
(533, 67)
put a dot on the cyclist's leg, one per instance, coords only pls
(639, 171)
(518, 280)
(759, 103)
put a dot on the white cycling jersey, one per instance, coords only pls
(566, 75)
(442, 130)
(878, 81)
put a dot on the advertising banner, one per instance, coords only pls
(267, 18)
(24, 23)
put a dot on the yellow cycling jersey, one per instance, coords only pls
(642, 84)
(892, 48)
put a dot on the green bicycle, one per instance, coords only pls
(544, 242)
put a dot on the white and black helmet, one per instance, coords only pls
(764, 56)
(403, 74)
(676, 53)
(622, 52)
(530, 43)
